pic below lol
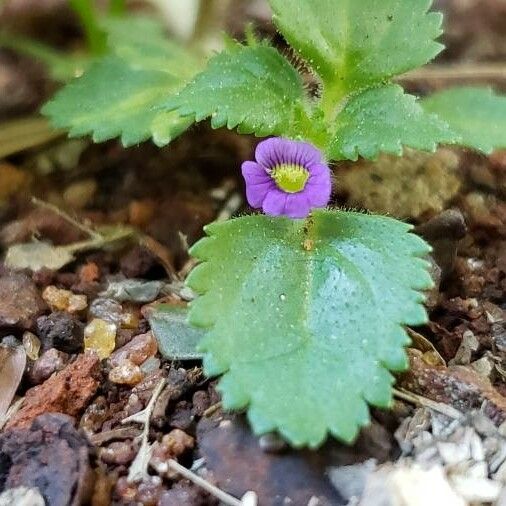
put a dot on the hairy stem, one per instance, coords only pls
(117, 7)
(211, 23)
(87, 13)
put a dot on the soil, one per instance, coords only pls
(68, 439)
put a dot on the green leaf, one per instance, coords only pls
(252, 88)
(384, 120)
(306, 318)
(122, 94)
(114, 99)
(143, 42)
(476, 114)
(177, 339)
(352, 44)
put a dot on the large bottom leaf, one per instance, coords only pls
(306, 317)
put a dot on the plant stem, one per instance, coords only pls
(332, 102)
(83, 228)
(86, 11)
(211, 23)
(117, 7)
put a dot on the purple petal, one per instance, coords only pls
(277, 150)
(297, 205)
(319, 194)
(274, 203)
(258, 183)
(304, 154)
(317, 169)
(319, 188)
(269, 153)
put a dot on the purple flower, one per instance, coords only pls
(289, 178)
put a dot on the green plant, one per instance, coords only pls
(306, 316)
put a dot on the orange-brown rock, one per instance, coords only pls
(68, 391)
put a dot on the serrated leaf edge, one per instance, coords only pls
(243, 400)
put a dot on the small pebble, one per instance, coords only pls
(271, 443)
(145, 493)
(200, 402)
(127, 373)
(89, 272)
(31, 343)
(10, 341)
(177, 442)
(64, 300)
(106, 309)
(182, 417)
(117, 453)
(100, 335)
(149, 491)
(173, 445)
(152, 364)
(129, 321)
(140, 212)
(138, 350)
(79, 194)
(50, 361)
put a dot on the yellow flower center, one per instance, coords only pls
(290, 177)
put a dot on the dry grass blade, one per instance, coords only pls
(419, 400)
(20, 134)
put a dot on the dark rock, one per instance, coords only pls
(272, 443)
(182, 417)
(179, 383)
(62, 331)
(51, 456)
(238, 464)
(20, 301)
(443, 233)
(137, 262)
(201, 402)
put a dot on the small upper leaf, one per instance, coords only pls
(253, 88)
(143, 42)
(352, 44)
(306, 318)
(476, 114)
(385, 119)
(114, 99)
(122, 94)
